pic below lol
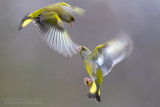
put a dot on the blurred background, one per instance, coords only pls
(30, 71)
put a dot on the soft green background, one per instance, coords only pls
(30, 69)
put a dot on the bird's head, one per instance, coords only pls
(69, 18)
(84, 51)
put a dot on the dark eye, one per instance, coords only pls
(72, 19)
(83, 49)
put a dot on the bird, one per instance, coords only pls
(50, 21)
(102, 59)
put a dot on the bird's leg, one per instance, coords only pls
(88, 81)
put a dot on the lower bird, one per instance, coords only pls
(102, 59)
(49, 19)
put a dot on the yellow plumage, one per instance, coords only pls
(103, 58)
(49, 19)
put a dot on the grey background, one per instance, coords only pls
(30, 69)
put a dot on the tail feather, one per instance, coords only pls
(94, 92)
(25, 21)
(95, 96)
(29, 18)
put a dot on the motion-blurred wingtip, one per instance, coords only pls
(19, 28)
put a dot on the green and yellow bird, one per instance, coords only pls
(100, 62)
(49, 19)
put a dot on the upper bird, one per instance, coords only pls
(49, 19)
(100, 62)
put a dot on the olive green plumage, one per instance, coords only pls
(49, 19)
(100, 62)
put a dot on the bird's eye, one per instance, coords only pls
(83, 49)
(72, 19)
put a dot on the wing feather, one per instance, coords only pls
(118, 48)
(55, 34)
(63, 45)
(59, 42)
(112, 52)
(73, 9)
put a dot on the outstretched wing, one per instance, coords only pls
(73, 9)
(112, 52)
(55, 34)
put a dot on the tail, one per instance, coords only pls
(25, 21)
(94, 92)
(29, 18)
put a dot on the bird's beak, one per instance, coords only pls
(70, 24)
(79, 48)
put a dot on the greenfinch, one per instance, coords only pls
(49, 19)
(102, 59)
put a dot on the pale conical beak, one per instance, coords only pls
(70, 24)
(79, 48)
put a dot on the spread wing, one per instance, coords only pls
(73, 9)
(55, 34)
(112, 52)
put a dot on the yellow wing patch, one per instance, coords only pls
(98, 47)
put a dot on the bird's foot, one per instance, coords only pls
(88, 81)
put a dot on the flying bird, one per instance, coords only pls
(50, 21)
(102, 59)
